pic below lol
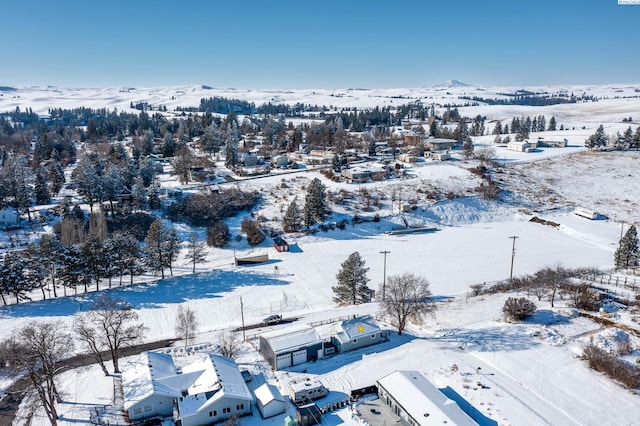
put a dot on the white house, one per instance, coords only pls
(356, 333)
(418, 402)
(9, 217)
(148, 384)
(209, 390)
(219, 393)
(521, 146)
(269, 401)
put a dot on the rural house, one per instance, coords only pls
(417, 401)
(356, 333)
(9, 217)
(290, 346)
(210, 389)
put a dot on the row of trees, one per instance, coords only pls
(626, 140)
(49, 263)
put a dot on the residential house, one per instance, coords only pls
(9, 217)
(356, 333)
(209, 390)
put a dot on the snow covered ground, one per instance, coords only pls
(530, 371)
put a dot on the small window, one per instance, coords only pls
(148, 408)
(355, 340)
(137, 410)
(373, 336)
(215, 413)
(210, 413)
(226, 410)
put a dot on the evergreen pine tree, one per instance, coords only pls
(597, 140)
(41, 190)
(315, 207)
(467, 148)
(292, 218)
(552, 124)
(628, 253)
(352, 282)
(497, 130)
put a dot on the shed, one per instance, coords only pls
(280, 244)
(308, 415)
(418, 402)
(356, 333)
(440, 144)
(269, 401)
(251, 260)
(290, 346)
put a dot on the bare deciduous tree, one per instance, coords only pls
(407, 297)
(110, 324)
(186, 324)
(196, 250)
(229, 344)
(35, 351)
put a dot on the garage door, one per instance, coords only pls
(300, 357)
(283, 361)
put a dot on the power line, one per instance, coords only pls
(384, 274)
(513, 255)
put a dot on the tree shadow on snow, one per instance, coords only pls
(491, 339)
(148, 295)
(548, 317)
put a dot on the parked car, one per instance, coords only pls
(272, 319)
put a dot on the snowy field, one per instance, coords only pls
(531, 372)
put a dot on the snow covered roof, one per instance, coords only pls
(221, 378)
(422, 400)
(290, 338)
(141, 377)
(302, 385)
(267, 393)
(356, 327)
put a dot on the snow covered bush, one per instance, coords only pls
(617, 369)
(518, 308)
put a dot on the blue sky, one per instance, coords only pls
(260, 44)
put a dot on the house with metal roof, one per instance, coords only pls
(286, 347)
(417, 401)
(356, 333)
(209, 390)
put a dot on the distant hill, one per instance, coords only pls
(451, 84)
(7, 89)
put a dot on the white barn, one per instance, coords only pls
(269, 401)
(418, 402)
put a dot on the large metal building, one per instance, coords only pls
(291, 346)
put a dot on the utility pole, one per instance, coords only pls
(513, 255)
(384, 274)
(244, 338)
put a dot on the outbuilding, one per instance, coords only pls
(290, 346)
(269, 401)
(9, 218)
(356, 333)
(305, 391)
(418, 402)
(280, 244)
